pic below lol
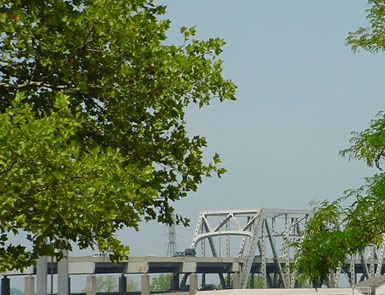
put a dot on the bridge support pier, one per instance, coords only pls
(41, 275)
(5, 286)
(91, 285)
(193, 283)
(145, 284)
(122, 285)
(63, 284)
(29, 285)
(236, 280)
(175, 281)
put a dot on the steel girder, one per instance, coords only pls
(264, 241)
(271, 231)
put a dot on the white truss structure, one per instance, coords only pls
(270, 231)
(370, 263)
(263, 238)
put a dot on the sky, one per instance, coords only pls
(301, 92)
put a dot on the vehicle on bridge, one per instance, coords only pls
(187, 252)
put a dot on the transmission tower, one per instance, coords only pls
(171, 245)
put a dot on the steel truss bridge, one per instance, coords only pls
(234, 244)
(262, 238)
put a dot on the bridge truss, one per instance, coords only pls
(263, 238)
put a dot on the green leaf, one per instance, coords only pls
(93, 135)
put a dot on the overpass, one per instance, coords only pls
(186, 271)
(234, 244)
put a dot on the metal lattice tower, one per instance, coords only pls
(171, 244)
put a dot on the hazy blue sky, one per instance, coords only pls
(301, 92)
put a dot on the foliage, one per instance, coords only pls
(335, 230)
(118, 152)
(161, 283)
(106, 284)
(258, 282)
(370, 38)
(322, 247)
(51, 186)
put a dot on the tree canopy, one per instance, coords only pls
(93, 133)
(337, 230)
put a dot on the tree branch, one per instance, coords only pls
(378, 159)
(8, 86)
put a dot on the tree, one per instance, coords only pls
(161, 283)
(52, 187)
(106, 284)
(96, 99)
(337, 230)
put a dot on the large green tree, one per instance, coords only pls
(93, 131)
(337, 230)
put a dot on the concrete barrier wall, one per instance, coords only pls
(335, 291)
